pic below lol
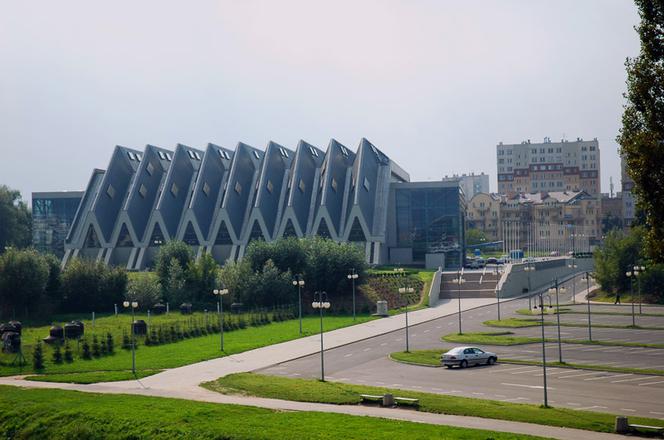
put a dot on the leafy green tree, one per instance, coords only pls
(202, 279)
(145, 289)
(24, 275)
(89, 285)
(287, 254)
(475, 236)
(618, 255)
(611, 222)
(38, 357)
(172, 250)
(642, 133)
(57, 354)
(175, 284)
(15, 220)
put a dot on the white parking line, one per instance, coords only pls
(576, 375)
(608, 377)
(438, 327)
(591, 407)
(426, 331)
(514, 398)
(397, 385)
(627, 409)
(526, 386)
(657, 413)
(503, 370)
(527, 371)
(348, 355)
(651, 383)
(367, 349)
(383, 344)
(631, 380)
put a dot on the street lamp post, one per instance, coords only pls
(353, 276)
(134, 306)
(497, 294)
(573, 266)
(320, 303)
(459, 281)
(529, 268)
(220, 294)
(631, 274)
(406, 290)
(299, 283)
(587, 280)
(637, 270)
(541, 306)
(557, 288)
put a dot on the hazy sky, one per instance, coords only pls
(434, 84)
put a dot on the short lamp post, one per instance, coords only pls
(299, 283)
(541, 306)
(219, 293)
(557, 288)
(529, 268)
(353, 276)
(320, 303)
(134, 306)
(631, 274)
(406, 290)
(586, 278)
(639, 269)
(459, 281)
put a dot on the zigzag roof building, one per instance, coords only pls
(219, 200)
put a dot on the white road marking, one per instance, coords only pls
(527, 371)
(573, 404)
(651, 383)
(630, 380)
(397, 385)
(427, 331)
(657, 413)
(478, 394)
(451, 323)
(591, 407)
(627, 409)
(500, 395)
(380, 383)
(438, 326)
(503, 370)
(348, 355)
(608, 377)
(383, 344)
(514, 398)
(367, 349)
(577, 375)
(527, 386)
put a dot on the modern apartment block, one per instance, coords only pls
(218, 200)
(52, 216)
(471, 184)
(549, 166)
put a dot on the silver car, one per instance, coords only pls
(466, 356)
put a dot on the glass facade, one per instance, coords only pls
(52, 215)
(431, 221)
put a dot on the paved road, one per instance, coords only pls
(366, 362)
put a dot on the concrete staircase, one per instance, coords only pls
(478, 284)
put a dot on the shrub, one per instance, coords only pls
(110, 343)
(57, 354)
(38, 357)
(87, 355)
(69, 357)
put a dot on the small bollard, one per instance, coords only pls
(167, 308)
(93, 319)
(115, 306)
(388, 399)
(622, 425)
(148, 317)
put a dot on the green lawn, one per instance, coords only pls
(420, 357)
(92, 377)
(58, 414)
(308, 390)
(508, 338)
(520, 323)
(187, 351)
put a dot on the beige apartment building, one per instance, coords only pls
(549, 166)
(541, 222)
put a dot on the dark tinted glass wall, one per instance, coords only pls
(51, 219)
(430, 220)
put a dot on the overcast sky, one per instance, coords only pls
(434, 84)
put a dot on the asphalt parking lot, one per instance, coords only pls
(367, 362)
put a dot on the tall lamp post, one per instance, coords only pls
(134, 306)
(459, 281)
(220, 294)
(639, 269)
(573, 266)
(406, 290)
(541, 306)
(299, 283)
(529, 268)
(586, 278)
(555, 289)
(353, 276)
(631, 274)
(320, 303)
(497, 294)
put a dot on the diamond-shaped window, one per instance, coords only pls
(110, 191)
(174, 189)
(269, 186)
(334, 184)
(302, 186)
(150, 168)
(206, 189)
(143, 191)
(238, 187)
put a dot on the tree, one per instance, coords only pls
(178, 250)
(618, 255)
(15, 220)
(475, 236)
(174, 285)
(202, 279)
(642, 134)
(38, 357)
(144, 289)
(24, 275)
(89, 285)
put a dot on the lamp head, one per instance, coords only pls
(125, 303)
(301, 282)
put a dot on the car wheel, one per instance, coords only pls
(491, 361)
(463, 364)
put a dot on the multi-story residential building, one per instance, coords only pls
(219, 200)
(549, 166)
(484, 214)
(611, 213)
(541, 222)
(471, 184)
(628, 200)
(52, 215)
